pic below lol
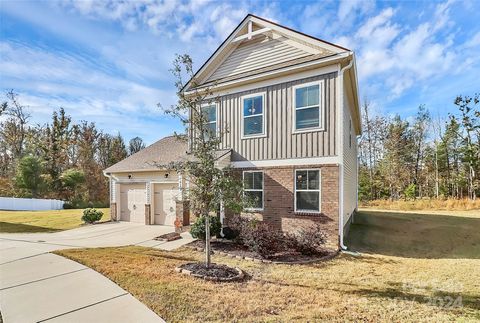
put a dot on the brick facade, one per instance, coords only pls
(113, 211)
(148, 214)
(279, 210)
(182, 215)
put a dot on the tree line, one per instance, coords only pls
(61, 159)
(421, 156)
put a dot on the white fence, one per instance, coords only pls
(17, 204)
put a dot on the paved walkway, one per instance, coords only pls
(37, 286)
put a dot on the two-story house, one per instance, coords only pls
(290, 102)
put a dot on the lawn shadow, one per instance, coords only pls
(415, 235)
(431, 296)
(8, 227)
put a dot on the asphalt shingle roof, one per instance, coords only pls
(162, 152)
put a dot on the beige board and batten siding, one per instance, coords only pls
(256, 54)
(349, 160)
(279, 142)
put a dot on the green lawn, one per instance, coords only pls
(43, 221)
(411, 267)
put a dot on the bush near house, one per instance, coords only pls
(309, 241)
(197, 230)
(91, 215)
(263, 239)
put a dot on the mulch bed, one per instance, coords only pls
(168, 237)
(215, 272)
(232, 249)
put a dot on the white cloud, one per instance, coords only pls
(400, 56)
(474, 41)
(115, 64)
(348, 8)
(48, 80)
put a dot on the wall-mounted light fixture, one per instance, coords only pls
(166, 175)
(129, 176)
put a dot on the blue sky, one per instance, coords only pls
(108, 61)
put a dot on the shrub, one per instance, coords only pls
(308, 241)
(91, 215)
(197, 230)
(68, 205)
(230, 233)
(238, 225)
(262, 238)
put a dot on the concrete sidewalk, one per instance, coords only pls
(37, 286)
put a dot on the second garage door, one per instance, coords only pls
(132, 205)
(165, 203)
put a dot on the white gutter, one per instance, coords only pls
(340, 107)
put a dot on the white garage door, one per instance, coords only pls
(132, 202)
(164, 206)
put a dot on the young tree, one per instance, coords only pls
(135, 145)
(210, 186)
(29, 175)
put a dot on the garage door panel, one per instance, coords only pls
(165, 196)
(132, 205)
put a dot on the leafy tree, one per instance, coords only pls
(72, 179)
(397, 157)
(119, 150)
(470, 136)
(135, 145)
(29, 175)
(419, 136)
(210, 186)
(55, 145)
(410, 192)
(13, 131)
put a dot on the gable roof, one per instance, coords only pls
(163, 151)
(258, 44)
(160, 154)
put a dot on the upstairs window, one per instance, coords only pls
(253, 115)
(210, 115)
(307, 190)
(308, 107)
(253, 189)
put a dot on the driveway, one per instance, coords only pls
(37, 286)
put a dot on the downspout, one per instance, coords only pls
(341, 107)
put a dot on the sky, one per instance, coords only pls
(109, 61)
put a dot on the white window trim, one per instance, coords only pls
(321, 107)
(203, 105)
(264, 116)
(255, 190)
(319, 190)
